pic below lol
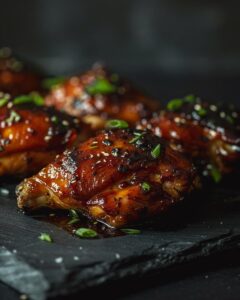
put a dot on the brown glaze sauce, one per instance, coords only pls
(61, 219)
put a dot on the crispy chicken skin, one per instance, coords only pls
(119, 177)
(98, 95)
(208, 133)
(15, 78)
(31, 136)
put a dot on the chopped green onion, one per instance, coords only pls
(49, 83)
(74, 214)
(131, 231)
(216, 174)
(116, 124)
(230, 119)
(13, 118)
(190, 98)
(101, 86)
(146, 187)
(138, 135)
(74, 217)
(73, 221)
(45, 237)
(202, 112)
(31, 98)
(175, 104)
(86, 232)
(156, 151)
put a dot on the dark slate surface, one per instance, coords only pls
(209, 225)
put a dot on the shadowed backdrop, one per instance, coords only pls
(169, 47)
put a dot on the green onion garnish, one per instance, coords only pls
(230, 119)
(131, 231)
(3, 101)
(50, 83)
(73, 221)
(101, 86)
(31, 98)
(190, 98)
(175, 104)
(156, 151)
(86, 232)
(216, 174)
(45, 237)
(138, 135)
(74, 217)
(116, 124)
(74, 214)
(13, 118)
(202, 112)
(145, 186)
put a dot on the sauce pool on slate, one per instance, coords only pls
(64, 220)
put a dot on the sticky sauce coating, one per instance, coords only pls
(114, 178)
(98, 95)
(208, 133)
(31, 136)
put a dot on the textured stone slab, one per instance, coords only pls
(69, 264)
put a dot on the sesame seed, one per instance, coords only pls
(213, 107)
(58, 260)
(222, 114)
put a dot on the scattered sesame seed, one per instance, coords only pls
(197, 107)
(65, 123)
(58, 260)
(222, 114)
(117, 255)
(213, 107)
(47, 138)
(4, 191)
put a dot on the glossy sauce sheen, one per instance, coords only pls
(31, 136)
(208, 133)
(62, 219)
(103, 178)
(123, 103)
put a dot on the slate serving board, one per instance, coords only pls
(207, 225)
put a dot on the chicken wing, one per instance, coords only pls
(31, 135)
(208, 133)
(119, 177)
(16, 78)
(98, 95)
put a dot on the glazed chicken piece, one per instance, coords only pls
(208, 133)
(98, 95)
(119, 177)
(31, 135)
(16, 78)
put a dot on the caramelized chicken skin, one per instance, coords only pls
(98, 95)
(31, 135)
(208, 133)
(16, 78)
(119, 177)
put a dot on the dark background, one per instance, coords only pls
(169, 47)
